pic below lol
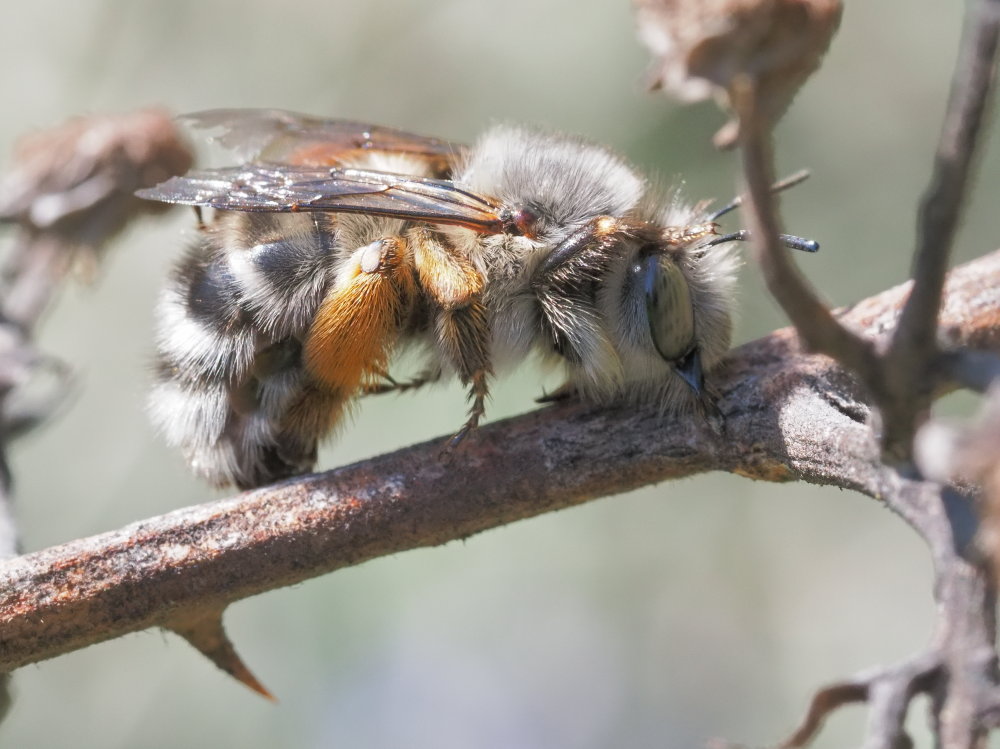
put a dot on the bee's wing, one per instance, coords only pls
(277, 136)
(288, 189)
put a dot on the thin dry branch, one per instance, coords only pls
(910, 362)
(887, 690)
(788, 416)
(942, 204)
(67, 192)
(958, 670)
(902, 381)
(810, 315)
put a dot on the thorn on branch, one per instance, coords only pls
(204, 630)
(779, 427)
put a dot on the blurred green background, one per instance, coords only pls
(708, 607)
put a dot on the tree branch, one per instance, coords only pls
(912, 357)
(812, 318)
(941, 206)
(788, 416)
(902, 380)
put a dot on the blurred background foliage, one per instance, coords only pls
(706, 607)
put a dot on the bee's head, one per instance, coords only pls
(680, 283)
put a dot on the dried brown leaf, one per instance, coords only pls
(702, 47)
(77, 180)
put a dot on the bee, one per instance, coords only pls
(340, 243)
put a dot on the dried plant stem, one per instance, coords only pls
(903, 375)
(941, 207)
(811, 316)
(903, 379)
(912, 359)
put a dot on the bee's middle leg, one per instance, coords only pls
(461, 322)
(464, 333)
(389, 384)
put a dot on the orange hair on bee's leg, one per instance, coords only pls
(358, 323)
(449, 278)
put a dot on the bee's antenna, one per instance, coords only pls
(790, 240)
(779, 186)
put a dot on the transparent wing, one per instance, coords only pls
(280, 137)
(286, 189)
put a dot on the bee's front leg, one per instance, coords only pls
(566, 391)
(461, 323)
(564, 284)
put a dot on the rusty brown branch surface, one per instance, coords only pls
(788, 416)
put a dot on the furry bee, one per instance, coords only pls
(340, 242)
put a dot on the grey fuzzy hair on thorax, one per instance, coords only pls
(564, 179)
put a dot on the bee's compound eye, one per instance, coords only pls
(371, 256)
(668, 305)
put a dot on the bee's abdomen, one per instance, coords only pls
(230, 389)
